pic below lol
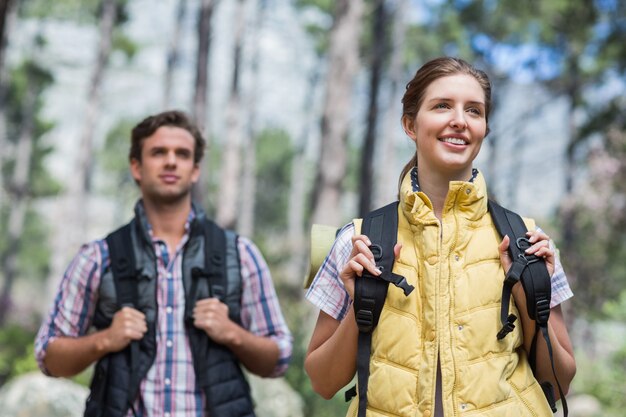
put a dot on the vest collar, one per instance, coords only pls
(467, 198)
(194, 221)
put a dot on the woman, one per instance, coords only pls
(435, 351)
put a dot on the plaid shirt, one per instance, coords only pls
(169, 388)
(329, 295)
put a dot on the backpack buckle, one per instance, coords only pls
(364, 320)
(507, 327)
(522, 244)
(542, 311)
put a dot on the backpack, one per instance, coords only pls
(221, 269)
(381, 227)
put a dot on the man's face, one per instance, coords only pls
(167, 170)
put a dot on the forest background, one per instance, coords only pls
(300, 101)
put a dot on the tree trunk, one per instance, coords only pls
(8, 15)
(85, 157)
(245, 222)
(173, 53)
(76, 202)
(342, 69)
(7, 12)
(200, 106)
(386, 190)
(19, 191)
(227, 204)
(379, 52)
(297, 191)
(200, 98)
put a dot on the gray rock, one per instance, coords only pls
(275, 398)
(35, 395)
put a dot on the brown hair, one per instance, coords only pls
(429, 72)
(173, 118)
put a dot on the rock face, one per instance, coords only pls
(35, 395)
(275, 398)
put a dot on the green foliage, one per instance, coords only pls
(124, 44)
(81, 11)
(34, 258)
(274, 154)
(324, 6)
(604, 379)
(597, 210)
(16, 354)
(297, 319)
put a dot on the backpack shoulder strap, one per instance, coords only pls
(381, 226)
(233, 276)
(122, 259)
(123, 268)
(221, 269)
(532, 271)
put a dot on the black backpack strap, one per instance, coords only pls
(122, 260)
(214, 266)
(381, 226)
(532, 271)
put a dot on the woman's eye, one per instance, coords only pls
(441, 106)
(475, 111)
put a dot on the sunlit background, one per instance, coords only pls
(300, 102)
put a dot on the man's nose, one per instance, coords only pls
(171, 158)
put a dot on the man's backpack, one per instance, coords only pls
(381, 227)
(221, 270)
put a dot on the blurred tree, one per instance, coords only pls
(598, 207)
(201, 85)
(246, 219)
(377, 57)
(28, 179)
(343, 65)
(228, 201)
(8, 13)
(118, 182)
(391, 111)
(199, 107)
(173, 52)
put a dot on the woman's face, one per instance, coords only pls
(449, 127)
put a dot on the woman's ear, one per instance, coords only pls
(408, 124)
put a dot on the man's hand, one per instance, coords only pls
(211, 315)
(128, 324)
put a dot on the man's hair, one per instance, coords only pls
(151, 124)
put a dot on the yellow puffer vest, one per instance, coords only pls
(453, 314)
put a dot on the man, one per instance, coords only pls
(169, 340)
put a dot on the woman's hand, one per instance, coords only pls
(540, 246)
(361, 259)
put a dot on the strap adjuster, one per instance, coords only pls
(507, 327)
(364, 320)
(542, 311)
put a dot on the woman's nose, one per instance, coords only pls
(458, 120)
